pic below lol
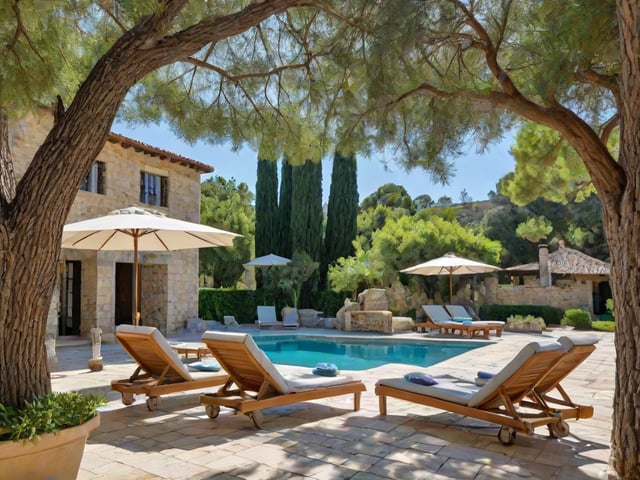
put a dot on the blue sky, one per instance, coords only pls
(475, 173)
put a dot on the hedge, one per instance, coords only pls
(551, 315)
(214, 303)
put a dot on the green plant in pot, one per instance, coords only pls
(50, 427)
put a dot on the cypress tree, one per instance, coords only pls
(266, 207)
(342, 212)
(284, 247)
(306, 218)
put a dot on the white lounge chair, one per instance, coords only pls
(267, 316)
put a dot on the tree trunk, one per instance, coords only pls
(623, 229)
(31, 221)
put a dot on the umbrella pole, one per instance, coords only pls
(451, 287)
(136, 320)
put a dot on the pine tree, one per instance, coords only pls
(342, 212)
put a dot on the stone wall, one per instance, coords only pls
(175, 274)
(368, 321)
(564, 295)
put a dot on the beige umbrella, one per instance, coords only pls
(137, 229)
(452, 265)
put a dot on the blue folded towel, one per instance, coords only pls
(485, 375)
(462, 319)
(205, 366)
(326, 370)
(420, 378)
(467, 322)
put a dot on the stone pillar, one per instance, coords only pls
(543, 261)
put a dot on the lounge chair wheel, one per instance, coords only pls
(559, 429)
(212, 411)
(152, 403)
(506, 436)
(127, 398)
(257, 418)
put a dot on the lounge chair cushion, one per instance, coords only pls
(569, 342)
(293, 380)
(455, 392)
(465, 392)
(510, 368)
(297, 381)
(169, 353)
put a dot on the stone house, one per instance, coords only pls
(565, 278)
(95, 289)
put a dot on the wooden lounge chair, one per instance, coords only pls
(267, 316)
(160, 370)
(438, 317)
(459, 314)
(255, 384)
(577, 350)
(514, 386)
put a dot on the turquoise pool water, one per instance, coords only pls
(356, 354)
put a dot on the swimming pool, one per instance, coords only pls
(357, 354)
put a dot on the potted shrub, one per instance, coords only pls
(46, 438)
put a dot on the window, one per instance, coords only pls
(153, 189)
(94, 181)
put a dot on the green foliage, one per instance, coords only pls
(349, 275)
(342, 211)
(328, 302)
(580, 224)
(534, 229)
(546, 166)
(266, 239)
(213, 304)
(551, 315)
(389, 195)
(579, 319)
(408, 241)
(48, 413)
(226, 205)
(603, 326)
(307, 219)
(295, 273)
(609, 304)
(284, 247)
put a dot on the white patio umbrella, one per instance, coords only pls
(137, 229)
(270, 260)
(452, 265)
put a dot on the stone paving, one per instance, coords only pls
(325, 439)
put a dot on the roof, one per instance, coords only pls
(567, 261)
(127, 142)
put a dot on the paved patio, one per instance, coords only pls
(325, 439)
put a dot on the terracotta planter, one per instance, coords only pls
(56, 456)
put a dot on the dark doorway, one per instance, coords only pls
(70, 295)
(600, 297)
(124, 294)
